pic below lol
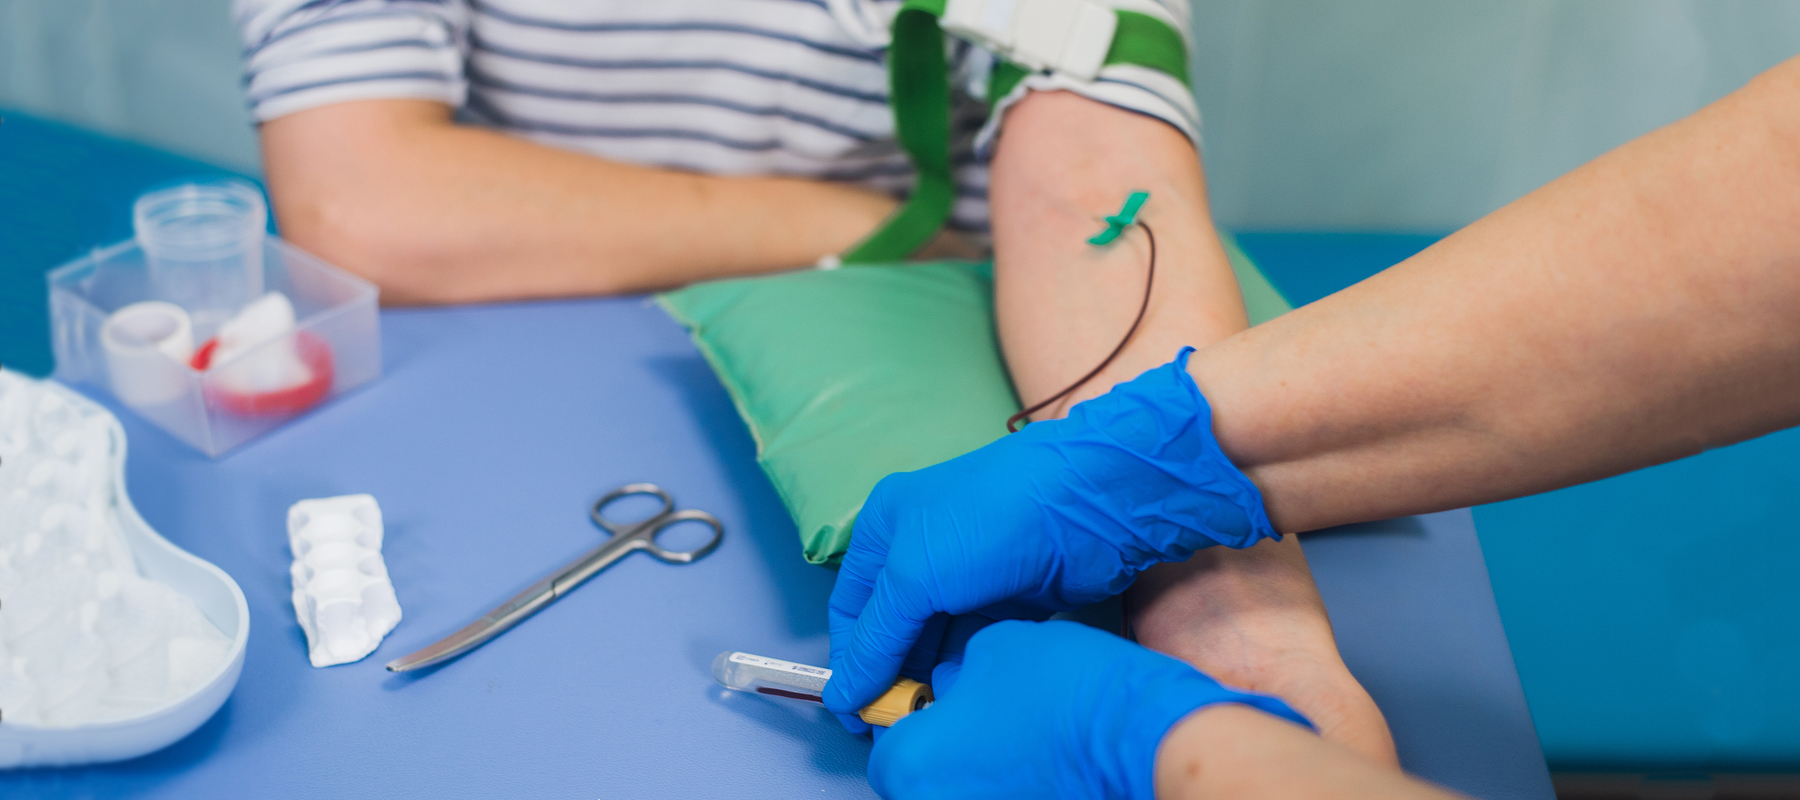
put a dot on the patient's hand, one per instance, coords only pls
(1253, 619)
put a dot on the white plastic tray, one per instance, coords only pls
(214, 592)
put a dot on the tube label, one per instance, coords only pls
(778, 664)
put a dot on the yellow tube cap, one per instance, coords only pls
(904, 697)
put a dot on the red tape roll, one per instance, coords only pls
(313, 352)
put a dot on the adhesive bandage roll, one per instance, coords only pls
(147, 348)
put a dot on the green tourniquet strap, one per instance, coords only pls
(919, 91)
(1146, 41)
(1117, 223)
(1005, 78)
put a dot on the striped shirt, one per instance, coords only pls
(729, 87)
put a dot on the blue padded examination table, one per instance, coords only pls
(491, 432)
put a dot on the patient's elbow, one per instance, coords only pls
(354, 231)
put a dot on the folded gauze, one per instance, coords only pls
(341, 590)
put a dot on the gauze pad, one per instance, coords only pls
(342, 594)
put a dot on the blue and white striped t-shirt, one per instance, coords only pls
(729, 87)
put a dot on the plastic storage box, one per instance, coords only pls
(337, 335)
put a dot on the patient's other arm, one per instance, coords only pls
(437, 212)
(1252, 618)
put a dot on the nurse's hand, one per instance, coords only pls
(1062, 514)
(1052, 709)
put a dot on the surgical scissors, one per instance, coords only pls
(627, 537)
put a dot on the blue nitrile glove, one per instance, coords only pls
(1047, 709)
(1062, 514)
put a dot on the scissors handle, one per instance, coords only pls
(683, 556)
(598, 513)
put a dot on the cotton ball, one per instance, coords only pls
(34, 611)
(56, 480)
(19, 702)
(184, 618)
(132, 619)
(194, 659)
(54, 412)
(41, 561)
(15, 433)
(114, 555)
(50, 635)
(19, 511)
(47, 611)
(86, 447)
(143, 679)
(71, 525)
(72, 680)
(107, 583)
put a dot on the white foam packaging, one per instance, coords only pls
(113, 642)
(342, 595)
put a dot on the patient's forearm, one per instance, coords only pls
(1248, 617)
(1236, 751)
(439, 212)
(1639, 309)
(1063, 163)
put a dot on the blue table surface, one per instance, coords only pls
(493, 429)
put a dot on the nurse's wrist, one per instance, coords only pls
(1148, 447)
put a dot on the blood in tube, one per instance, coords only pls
(751, 673)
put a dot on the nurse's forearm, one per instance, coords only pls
(1236, 751)
(438, 212)
(1642, 308)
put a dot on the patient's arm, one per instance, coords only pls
(1642, 308)
(1230, 750)
(437, 212)
(1250, 618)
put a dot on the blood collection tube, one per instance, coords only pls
(772, 676)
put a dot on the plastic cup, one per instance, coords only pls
(204, 244)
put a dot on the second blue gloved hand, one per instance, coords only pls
(1060, 515)
(1053, 709)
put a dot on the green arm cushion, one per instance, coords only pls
(849, 375)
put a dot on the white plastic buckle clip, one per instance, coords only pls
(1068, 36)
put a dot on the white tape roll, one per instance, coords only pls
(147, 350)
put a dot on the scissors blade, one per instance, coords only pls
(524, 604)
(476, 633)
